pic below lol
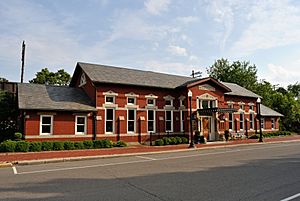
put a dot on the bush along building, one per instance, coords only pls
(106, 102)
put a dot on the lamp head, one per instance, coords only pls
(190, 93)
(258, 100)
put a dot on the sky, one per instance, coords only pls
(170, 36)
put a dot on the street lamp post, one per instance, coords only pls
(258, 103)
(190, 94)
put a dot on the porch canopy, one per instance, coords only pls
(210, 111)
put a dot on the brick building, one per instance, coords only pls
(127, 104)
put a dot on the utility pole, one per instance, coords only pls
(23, 60)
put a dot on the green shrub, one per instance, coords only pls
(159, 142)
(255, 136)
(35, 146)
(78, 145)
(69, 145)
(58, 145)
(184, 140)
(88, 144)
(107, 143)
(98, 144)
(173, 140)
(18, 136)
(8, 146)
(47, 146)
(166, 140)
(179, 140)
(121, 144)
(22, 146)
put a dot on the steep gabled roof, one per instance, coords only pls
(237, 90)
(268, 112)
(118, 75)
(56, 98)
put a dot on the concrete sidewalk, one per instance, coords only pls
(8, 159)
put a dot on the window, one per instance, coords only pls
(82, 80)
(230, 120)
(251, 107)
(151, 121)
(241, 121)
(109, 99)
(242, 106)
(230, 105)
(262, 123)
(131, 121)
(151, 102)
(80, 125)
(182, 102)
(46, 124)
(131, 101)
(204, 104)
(207, 104)
(182, 121)
(168, 102)
(251, 120)
(273, 123)
(169, 121)
(109, 121)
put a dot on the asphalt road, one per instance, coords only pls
(252, 172)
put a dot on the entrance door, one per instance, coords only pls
(206, 126)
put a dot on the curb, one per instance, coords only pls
(69, 159)
(4, 165)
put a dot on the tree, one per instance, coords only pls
(294, 89)
(45, 76)
(8, 115)
(239, 72)
(2, 79)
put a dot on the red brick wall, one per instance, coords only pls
(63, 124)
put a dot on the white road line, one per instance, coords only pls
(14, 170)
(148, 159)
(291, 197)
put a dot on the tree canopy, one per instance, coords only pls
(239, 72)
(61, 77)
(2, 79)
(285, 101)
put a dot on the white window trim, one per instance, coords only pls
(169, 98)
(154, 120)
(273, 124)
(82, 80)
(170, 120)
(134, 129)
(232, 121)
(251, 120)
(131, 103)
(181, 121)
(154, 102)
(85, 125)
(113, 121)
(243, 122)
(41, 124)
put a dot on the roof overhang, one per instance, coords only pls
(216, 82)
(210, 111)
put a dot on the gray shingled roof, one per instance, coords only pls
(237, 90)
(268, 112)
(43, 97)
(118, 75)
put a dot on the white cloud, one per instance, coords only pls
(155, 7)
(274, 24)
(188, 19)
(177, 68)
(277, 74)
(176, 50)
(49, 43)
